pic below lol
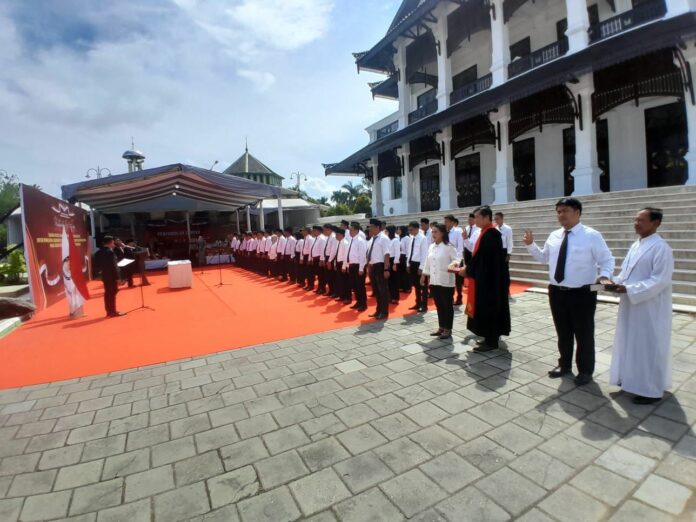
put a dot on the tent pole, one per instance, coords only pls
(101, 223)
(248, 218)
(188, 232)
(239, 228)
(132, 225)
(93, 226)
(281, 221)
(262, 218)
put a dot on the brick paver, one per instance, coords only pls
(375, 422)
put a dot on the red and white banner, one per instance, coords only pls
(56, 246)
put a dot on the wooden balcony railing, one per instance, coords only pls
(468, 90)
(628, 20)
(537, 58)
(420, 113)
(387, 129)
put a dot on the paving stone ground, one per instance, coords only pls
(377, 422)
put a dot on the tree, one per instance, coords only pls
(340, 209)
(363, 205)
(354, 192)
(340, 197)
(323, 200)
(9, 199)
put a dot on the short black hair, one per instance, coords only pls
(456, 221)
(288, 229)
(570, 202)
(449, 217)
(425, 221)
(472, 215)
(485, 211)
(413, 224)
(107, 239)
(443, 230)
(655, 213)
(499, 213)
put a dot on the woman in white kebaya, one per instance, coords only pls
(441, 255)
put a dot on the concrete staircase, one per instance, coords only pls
(610, 213)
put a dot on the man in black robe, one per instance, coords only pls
(487, 306)
(105, 264)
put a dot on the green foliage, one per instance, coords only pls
(363, 205)
(14, 267)
(339, 209)
(9, 199)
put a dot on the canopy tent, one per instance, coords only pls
(172, 187)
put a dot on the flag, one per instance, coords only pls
(74, 279)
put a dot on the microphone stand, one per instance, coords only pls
(220, 283)
(142, 306)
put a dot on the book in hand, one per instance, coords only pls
(611, 287)
(454, 269)
(125, 262)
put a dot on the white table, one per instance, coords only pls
(180, 274)
(217, 259)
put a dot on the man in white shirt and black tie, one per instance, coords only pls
(457, 241)
(325, 260)
(577, 257)
(356, 259)
(506, 234)
(315, 253)
(415, 257)
(378, 260)
(288, 253)
(305, 261)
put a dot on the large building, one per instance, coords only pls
(513, 100)
(247, 166)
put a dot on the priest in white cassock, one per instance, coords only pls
(641, 361)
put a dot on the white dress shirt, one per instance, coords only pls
(395, 249)
(318, 247)
(273, 250)
(456, 240)
(329, 253)
(378, 247)
(405, 245)
(280, 249)
(418, 249)
(587, 259)
(341, 250)
(299, 247)
(362, 235)
(470, 243)
(357, 252)
(506, 233)
(307, 245)
(429, 234)
(251, 245)
(440, 256)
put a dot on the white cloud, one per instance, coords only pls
(263, 80)
(317, 187)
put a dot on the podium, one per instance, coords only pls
(180, 274)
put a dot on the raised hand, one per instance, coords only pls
(528, 237)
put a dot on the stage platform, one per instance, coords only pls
(248, 310)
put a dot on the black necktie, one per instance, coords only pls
(372, 245)
(413, 245)
(559, 276)
(350, 245)
(326, 246)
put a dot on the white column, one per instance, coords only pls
(408, 184)
(587, 171)
(239, 228)
(677, 7)
(500, 45)
(404, 88)
(444, 65)
(101, 223)
(578, 24)
(448, 188)
(281, 224)
(690, 156)
(262, 218)
(504, 185)
(377, 201)
(248, 213)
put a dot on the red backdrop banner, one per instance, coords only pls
(43, 220)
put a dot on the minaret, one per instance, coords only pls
(134, 157)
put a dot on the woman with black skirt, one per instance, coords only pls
(441, 255)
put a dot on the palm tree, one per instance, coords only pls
(353, 192)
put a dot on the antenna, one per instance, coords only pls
(132, 143)
(213, 165)
(246, 144)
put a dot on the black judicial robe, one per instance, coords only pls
(487, 267)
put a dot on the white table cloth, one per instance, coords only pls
(155, 264)
(217, 259)
(180, 274)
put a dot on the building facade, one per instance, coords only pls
(247, 166)
(514, 100)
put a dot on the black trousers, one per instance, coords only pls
(380, 288)
(322, 277)
(304, 271)
(404, 278)
(442, 295)
(421, 299)
(459, 283)
(573, 312)
(110, 291)
(330, 270)
(357, 285)
(393, 282)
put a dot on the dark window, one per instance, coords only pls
(430, 188)
(666, 144)
(593, 12)
(568, 160)
(426, 97)
(524, 167)
(468, 180)
(396, 188)
(561, 28)
(465, 77)
(521, 48)
(603, 154)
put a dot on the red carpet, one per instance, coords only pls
(204, 319)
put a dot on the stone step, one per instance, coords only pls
(683, 281)
(528, 263)
(611, 233)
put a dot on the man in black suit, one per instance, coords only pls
(105, 264)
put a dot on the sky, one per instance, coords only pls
(189, 81)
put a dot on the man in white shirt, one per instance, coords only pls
(416, 256)
(315, 253)
(506, 234)
(641, 362)
(356, 259)
(457, 241)
(297, 261)
(286, 248)
(341, 288)
(378, 261)
(425, 227)
(470, 231)
(305, 262)
(404, 249)
(577, 257)
(324, 272)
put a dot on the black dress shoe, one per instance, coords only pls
(116, 314)
(423, 309)
(582, 379)
(414, 307)
(559, 372)
(373, 315)
(381, 317)
(356, 305)
(360, 308)
(458, 302)
(483, 347)
(639, 399)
